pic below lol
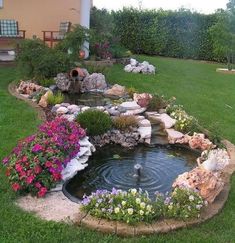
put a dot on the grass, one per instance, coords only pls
(204, 93)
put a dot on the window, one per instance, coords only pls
(1, 3)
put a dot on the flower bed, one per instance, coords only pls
(135, 206)
(35, 165)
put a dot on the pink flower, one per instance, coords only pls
(15, 187)
(38, 185)
(5, 160)
(30, 179)
(18, 168)
(37, 148)
(37, 169)
(48, 164)
(42, 192)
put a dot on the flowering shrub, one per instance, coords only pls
(35, 165)
(184, 122)
(102, 50)
(131, 207)
(135, 206)
(183, 204)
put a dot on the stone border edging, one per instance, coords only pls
(164, 225)
(12, 90)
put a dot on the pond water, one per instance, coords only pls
(114, 166)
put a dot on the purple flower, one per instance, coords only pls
(5, 160)
(37, 148)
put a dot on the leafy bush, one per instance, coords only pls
(157, 102)
(35, 165)
(102, 50)
(54, 99)
(125, 122)
(73, 41)
(46, 82)
(35, 59)
(131, 207)
(94, 121)
(183, 204)
(184, 122)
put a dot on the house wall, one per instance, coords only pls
(34, 16)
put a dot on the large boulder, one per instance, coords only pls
(207, 183)
(142, 99)
(28, 87)
(62, 81)
(116, 90)
(94, 82)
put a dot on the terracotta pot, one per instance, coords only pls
(82, 54)
(77, 73)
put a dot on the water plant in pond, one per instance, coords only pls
(35, 165)
(54, 99)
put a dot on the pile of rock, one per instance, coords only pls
(136, 67)
(28, 88)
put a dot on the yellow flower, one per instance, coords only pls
(133, 191)
(142, 205)
(130, 211)
(117, 210)
(141, 212)
(123, 203)
(138, 201)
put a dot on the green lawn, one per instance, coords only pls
(204, 93)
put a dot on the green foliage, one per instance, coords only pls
(54, 99)
(46, 82)
(181, 33)
(73, 41)
(131, 91)
(124, 122)
(157, 102)
(96, 122)
(184, 204)
(96, 68)
(35, 59)
(131, 207)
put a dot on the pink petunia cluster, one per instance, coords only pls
(35, 165)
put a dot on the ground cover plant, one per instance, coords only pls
(205, 94)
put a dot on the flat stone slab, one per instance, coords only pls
(163, 118)
(225, 70)
(130, 105)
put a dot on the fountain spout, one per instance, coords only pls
(138, 168)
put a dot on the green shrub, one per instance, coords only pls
(157, 102)
(96, 122)
(124, 122)
(54, 99)
(73, 41)
(35, 59)
(46, 82)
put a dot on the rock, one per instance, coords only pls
(85, 108)
(208, 184)
(130, 105)
(198, 141)
(213, 160)
(163, 118)
(62, 110)
(133, 62)
(43, 101)
(116, 90)
(113, 112)
(145, 130)
(72, 168)
(65, 104)
(174, 135)
(69, 117)
(134, 112)
(62, 81)
(143, 67)
(28, 87)
(95, 81)
(53, 87)
(100, 108)
(142, 99)
(73, 108)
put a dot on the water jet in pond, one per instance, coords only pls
(151, 169)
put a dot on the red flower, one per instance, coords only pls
(38, 185)
(30, 179)
(48, 164)
(56, 176)
(37, 169)
(18, 168)
(15, 187)
(42, 192)
(24, 159)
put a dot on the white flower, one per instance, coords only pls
(130, 211)
(149, 208)
(123, 203)
(141, 212)
(170, 207)
(117, 210)
(191, 198)
(138, 201)
(142, 205)
(133, 191)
